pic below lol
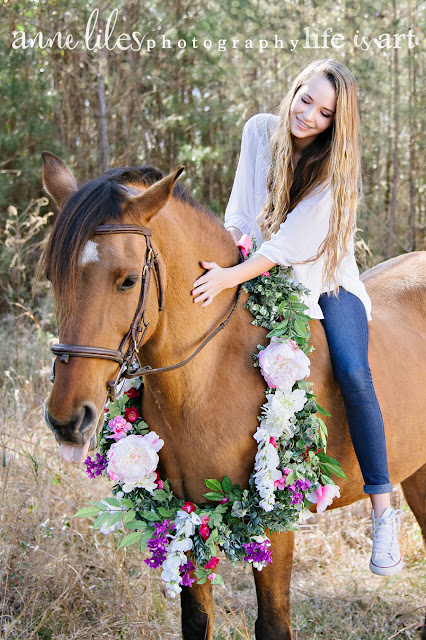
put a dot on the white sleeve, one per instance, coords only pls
(302, 233)
(239, 209)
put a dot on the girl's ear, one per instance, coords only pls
(145, 205)
(57, 178)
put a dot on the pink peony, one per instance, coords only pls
(119, 428)
(282, 363)
(133, 460)
(323, 496)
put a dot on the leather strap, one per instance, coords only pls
(66, 350)
(123, 228)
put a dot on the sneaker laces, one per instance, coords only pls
(385, 533)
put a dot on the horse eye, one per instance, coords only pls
(128, 284)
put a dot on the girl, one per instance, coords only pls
(296, 189)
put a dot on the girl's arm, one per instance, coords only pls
(219, 278)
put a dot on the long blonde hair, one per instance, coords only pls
(335, 156)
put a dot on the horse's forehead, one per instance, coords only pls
(89, 253)
(111, 251)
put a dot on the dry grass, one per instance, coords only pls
(61, 581)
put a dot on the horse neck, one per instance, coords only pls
(185, 236)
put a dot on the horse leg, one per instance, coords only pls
(414, 489)
(197, 612)
(273, 590)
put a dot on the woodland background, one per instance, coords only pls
(99, 109)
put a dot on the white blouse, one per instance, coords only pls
(302, 233)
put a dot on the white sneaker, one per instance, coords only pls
(385, 558)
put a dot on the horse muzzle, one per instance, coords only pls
(72, 451)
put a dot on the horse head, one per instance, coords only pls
(97, 258)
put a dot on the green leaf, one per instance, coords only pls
(299, 328)
(300, 306)
(277, 331)
(236, 491)
(101, 519)
(226, 485)
(213, 484)
(116, 517)
(322, 410)
(146, 537)
(160, 495)
(166, 513)
(325, 458)
(150, 516)
(136, 524)
(290, 478)
(113, 502)
(127, 502)
(130, 539)
(87, 512)
(123, 400)
(335, 469)
(213, 495)
(128, 516)
(101, 506)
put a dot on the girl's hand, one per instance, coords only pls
(211, 283)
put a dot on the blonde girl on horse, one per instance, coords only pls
(297, 189)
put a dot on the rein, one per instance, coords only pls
(127, 358)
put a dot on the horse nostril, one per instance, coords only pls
(88, 419)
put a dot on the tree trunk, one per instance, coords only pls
(395, 162)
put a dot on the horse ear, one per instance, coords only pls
(57, 178)
(155, 197)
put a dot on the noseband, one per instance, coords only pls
(127, 353)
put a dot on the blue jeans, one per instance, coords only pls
(346, 327)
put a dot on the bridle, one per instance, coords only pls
(127, 353)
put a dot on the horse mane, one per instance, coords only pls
(94, 203)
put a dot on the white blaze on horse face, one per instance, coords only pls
(90, 253)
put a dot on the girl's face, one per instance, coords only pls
(312, 110)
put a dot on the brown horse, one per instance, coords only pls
(206, 410)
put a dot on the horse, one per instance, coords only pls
(206, 410)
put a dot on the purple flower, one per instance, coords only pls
(297, 498)
(303, 484)
(185, 572)
(296, 488)
(95, 466)
(157, 545)
(259, 553)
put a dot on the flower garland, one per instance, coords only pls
(291, 468)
